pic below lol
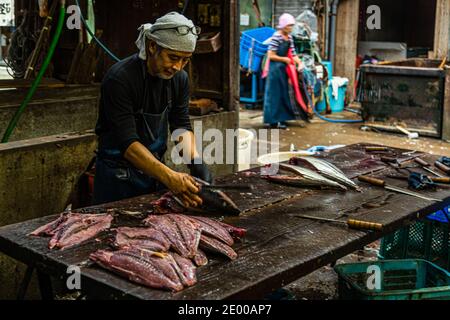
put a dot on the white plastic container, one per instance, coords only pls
(246, 138)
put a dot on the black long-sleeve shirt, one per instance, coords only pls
(122, 95)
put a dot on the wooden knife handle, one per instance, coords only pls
(377, 148)
(441, 180)
(364, 225)
(388, 159)
(442, 167)
(423, 163)
(372, 180)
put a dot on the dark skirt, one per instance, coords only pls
(277, 102)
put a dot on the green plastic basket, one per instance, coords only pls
(400, 280)
(424, 239)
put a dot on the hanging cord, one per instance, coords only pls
(186, 3)
(22, 44)
(12, 125)
(88, 29)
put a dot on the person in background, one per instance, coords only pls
(278, 106)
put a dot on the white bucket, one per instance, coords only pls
(245, 149)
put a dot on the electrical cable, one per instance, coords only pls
(112, 55)
(322, 117)
(12, 125)
(186, 3)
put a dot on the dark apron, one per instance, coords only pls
(117, 179)
(277, 103)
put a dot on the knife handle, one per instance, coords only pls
(364, 225)
(423, 163)
(442, 167)
(441, 180)
(389, 160)
(372, 180)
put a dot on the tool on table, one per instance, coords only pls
(245, 187)
(426, 166)
(381, 183)
(434, 179)
(351, 223)
(418, 181)
(386, 159)
(442, 167)
(411, 135)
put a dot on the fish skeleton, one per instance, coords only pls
(304, 177)
(326, 169)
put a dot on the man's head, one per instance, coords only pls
(168, 44)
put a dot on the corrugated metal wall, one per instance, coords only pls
(246, 7)
(294, 7)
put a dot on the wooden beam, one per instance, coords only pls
(441, 30)
(446, 111)
(347, 41)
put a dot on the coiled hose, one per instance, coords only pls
(12, 125)
(322, 117)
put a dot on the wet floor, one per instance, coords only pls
(321, 133)
(322, 284)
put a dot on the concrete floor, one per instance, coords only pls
(322, 284)
(320, 133)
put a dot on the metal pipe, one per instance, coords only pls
(327, 29)
(334, 7)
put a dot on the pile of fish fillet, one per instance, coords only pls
(163, 252)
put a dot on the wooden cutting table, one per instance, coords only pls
(280, 247)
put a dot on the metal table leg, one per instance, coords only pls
(45, 286)
(25, 282)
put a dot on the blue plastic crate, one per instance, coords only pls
(252, 49)
(441, 215)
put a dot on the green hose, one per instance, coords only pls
(12, 125)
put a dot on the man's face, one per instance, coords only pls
(165, 63)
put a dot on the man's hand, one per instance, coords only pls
(287, 60)
(184, 186)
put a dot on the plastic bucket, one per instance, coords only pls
(338, 105)
(245, 149)
(329, 67)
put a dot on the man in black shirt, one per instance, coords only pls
(142, 97)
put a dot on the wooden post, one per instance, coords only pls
(441, 30)
(446, 106)
(347, 41)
